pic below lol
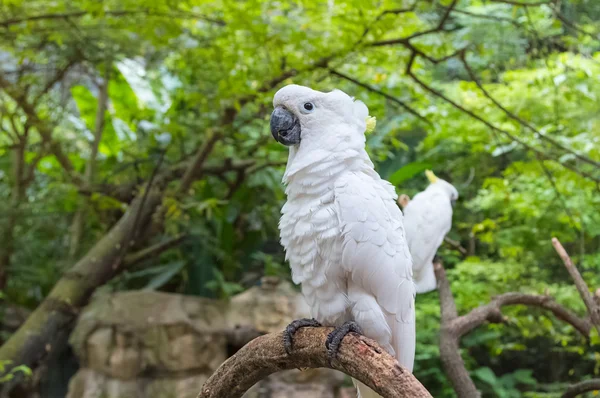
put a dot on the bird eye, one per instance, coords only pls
(308, 106)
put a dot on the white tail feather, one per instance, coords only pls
(427, 282)
(363, 391)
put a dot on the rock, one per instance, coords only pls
(144, 344)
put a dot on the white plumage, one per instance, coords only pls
(428, 218)
(341, 228)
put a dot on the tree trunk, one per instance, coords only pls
(54, 317)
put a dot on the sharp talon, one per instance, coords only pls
(292, 328)
(334, 339)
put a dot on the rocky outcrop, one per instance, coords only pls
(145, 344)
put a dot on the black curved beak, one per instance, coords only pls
(285, 127)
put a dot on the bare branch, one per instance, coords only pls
(464, 324)
(383, 94)
(195, 168)
(359, 357)
(581, 388)
(582, 287)
(448, 306)
(152, 251)
(452, 361)
(446, 14)
(439, 28)
(454, 327)
(456, 245)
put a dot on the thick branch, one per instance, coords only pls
(454, 327)
(581, 388)
(492, 312)
(448, 306)
(454, 365)
(359, 357)
(582, 287)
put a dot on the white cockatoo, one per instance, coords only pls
(340, 227)
(428, 218)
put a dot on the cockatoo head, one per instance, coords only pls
(438, 183)
(321, 119)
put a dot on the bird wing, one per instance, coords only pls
(427, 219)
(376, 256)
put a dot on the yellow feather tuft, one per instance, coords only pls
(430, 176)
(371, 123)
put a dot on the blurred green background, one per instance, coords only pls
(97, 98)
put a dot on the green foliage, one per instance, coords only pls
(11, 372)
(177, 69)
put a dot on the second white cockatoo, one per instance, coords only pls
(428, 218)
(340, 227)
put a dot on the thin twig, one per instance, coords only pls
(438, 94)
(518, 119)
(152, 251)
(383, 94)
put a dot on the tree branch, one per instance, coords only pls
(359, 357)
(582, 287)
(43, 129)
(383, 94)
(78, 224)
(152, 251)
(456, 245)
(195, 167)
(520, 120)
(78, 14)
(488, 17)
(492, 312)
(511, 136)
(453, 327)
(581, 388)
(55, 79)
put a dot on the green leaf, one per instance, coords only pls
(169, 271)
(407, 172)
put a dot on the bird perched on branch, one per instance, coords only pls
(340, 227)
(428, 218)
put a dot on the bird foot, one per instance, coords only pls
(334, 339)
(292, 328)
